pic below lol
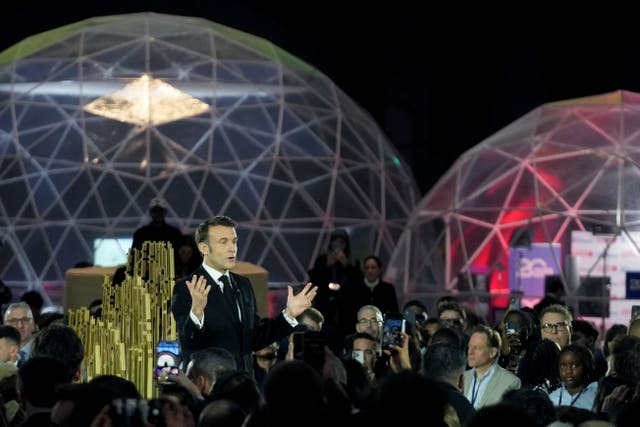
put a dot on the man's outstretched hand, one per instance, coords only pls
(296, 304)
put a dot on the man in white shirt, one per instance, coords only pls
(486, 382)
(218, 308)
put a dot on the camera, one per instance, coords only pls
(136, 412)
(309, 347)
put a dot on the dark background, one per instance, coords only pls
(438, 81)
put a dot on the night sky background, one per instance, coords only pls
(438, 80)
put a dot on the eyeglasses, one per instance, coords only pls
(369, 321)
(555, 327)
(23, 320)
(456, 322)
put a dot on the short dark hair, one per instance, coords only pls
(202, 232)
(62, 343)
(443, 361)
(33, 298)
(39, 378)
(11, 334)
(375, 258)
(211, 362)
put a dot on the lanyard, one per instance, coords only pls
(475, 391)
(572, 400)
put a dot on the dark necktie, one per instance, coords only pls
(230, 294)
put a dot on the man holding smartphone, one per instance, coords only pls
(218, 308)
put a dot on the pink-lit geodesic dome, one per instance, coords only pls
(564, 178)
(99, 117)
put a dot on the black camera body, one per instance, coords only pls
(136, 412)
(309, 347)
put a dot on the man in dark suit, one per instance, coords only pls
(218, 308)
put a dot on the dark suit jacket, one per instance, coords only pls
(221, 326)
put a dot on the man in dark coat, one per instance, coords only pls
(218, 308)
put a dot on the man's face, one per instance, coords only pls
(20, 319)
(221, 249)
(452, 319)
(371, 270)
(555, 327)
(370, 323)
(369, 350)
(8, 351)
(480, 355)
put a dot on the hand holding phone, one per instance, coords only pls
(393, 327)
(168, 361)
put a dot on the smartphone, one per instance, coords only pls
(358, 355)
(510, 329)
(168, 360)
(515, 302)
(635, 311)
(393, 327)
(309, 347)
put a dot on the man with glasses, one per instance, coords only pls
(370, 321)
(555, 324)
(20, 317)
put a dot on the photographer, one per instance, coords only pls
(516, 332)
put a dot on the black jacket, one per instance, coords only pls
(221, 326)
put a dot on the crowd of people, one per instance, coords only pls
(320, 361)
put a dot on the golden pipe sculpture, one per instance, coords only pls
(135, 316)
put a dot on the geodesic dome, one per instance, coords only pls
(565, 177)
(99, 117)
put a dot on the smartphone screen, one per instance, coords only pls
(394, 326)
(168, 359)
(635, 311)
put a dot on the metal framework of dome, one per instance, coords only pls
(563, 167)
(99, 117)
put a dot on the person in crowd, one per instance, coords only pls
(61, 342)
(429, 328)
(536, 404)
(486, 381)
(538, 368)
(516, 331)
(451, 314)
(264, 360)
(36, 302)
(337, 278)
(189, 259)
(577, 370)
(38, 379)
(218, 308)
(555, 324)
(372, 290)
(312, 318)
(205, 367)
(553, 294)
(20, 317)
(416, 314)
(369, 320)
(446, 364)
(585, 333)
(10, 345)
(158, 230)
(364, 349)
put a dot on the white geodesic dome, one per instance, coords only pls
(99, 117)
(565, 169)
